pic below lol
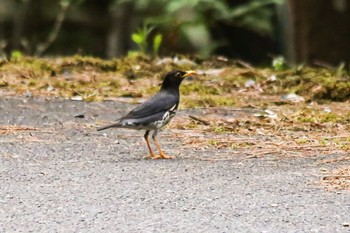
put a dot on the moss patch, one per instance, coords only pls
(140, 76)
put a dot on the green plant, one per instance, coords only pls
(16, 54)
(279, 63)
(191, 20)
(141, 38)
(157, 41)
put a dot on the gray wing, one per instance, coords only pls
(148, 112)
(157, 105)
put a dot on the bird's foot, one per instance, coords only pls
(151, 156)
(164, 156)
(160, 156)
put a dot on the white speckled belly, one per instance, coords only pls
(165, 120)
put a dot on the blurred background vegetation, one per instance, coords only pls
(312, 31)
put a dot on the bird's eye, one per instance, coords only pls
(178, 75)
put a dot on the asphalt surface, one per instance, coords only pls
(63, 176)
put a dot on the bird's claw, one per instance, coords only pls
(164, 156)
(160, 156)
(150, 156)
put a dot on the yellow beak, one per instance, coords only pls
(189, 73)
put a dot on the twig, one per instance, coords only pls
(324, 65)
(204, 122)
(336, 177)
(244, 64)
(56, 28)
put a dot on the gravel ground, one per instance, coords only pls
(63, 176)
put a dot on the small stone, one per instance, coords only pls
(249, 83)
(50, 88)
(183, 62)
(165, 60)
(28, 94)
(272, 78)
(77, 98)
(271, 114)
(292, 97)
(327, 110)
(267, 114)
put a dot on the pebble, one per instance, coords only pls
(293, 98)
(77, 98)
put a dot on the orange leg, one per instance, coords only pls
(162, 155)
(151, 155)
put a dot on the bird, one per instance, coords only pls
(156, 112)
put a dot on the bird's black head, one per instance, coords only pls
(173, 79)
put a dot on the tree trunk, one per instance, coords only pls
(118, 38)
(18, 24)
(320, 31)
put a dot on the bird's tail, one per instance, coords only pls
(109, 126)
